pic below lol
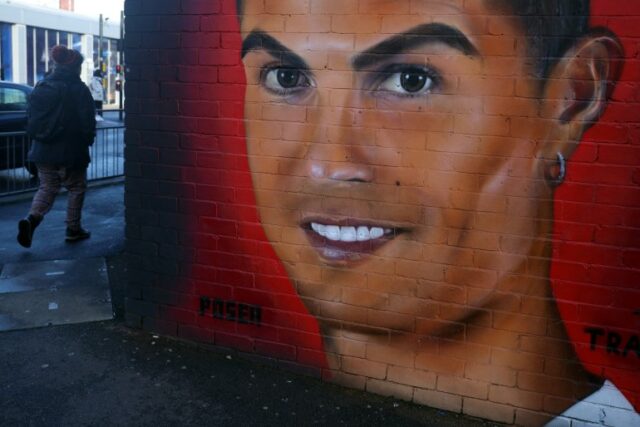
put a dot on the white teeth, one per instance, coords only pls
(363, 234)
(349, 233)
(376, 232)
(322, 229)
(333, 232)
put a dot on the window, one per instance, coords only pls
(76, 42)
(12, 99)
(30, 56)
(6, 69)
(52, 40)
(39, 44)
(42, 56)
(63, 38)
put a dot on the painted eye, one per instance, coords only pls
(408, 81)
(285, 80)
(288, 78)
(413, 82)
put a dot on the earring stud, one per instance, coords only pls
(556, 172)
(562, 165)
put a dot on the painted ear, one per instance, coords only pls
(584, 80)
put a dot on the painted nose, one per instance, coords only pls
(346, 156)
(350, 172)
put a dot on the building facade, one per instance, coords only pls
(27, 34)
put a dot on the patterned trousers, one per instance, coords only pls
(51, 179)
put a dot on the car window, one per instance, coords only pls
(12, 99)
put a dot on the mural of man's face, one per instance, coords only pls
(398, 152)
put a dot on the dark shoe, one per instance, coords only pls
(26, 227)
(75, 235)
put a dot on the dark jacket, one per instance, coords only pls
(71, 148)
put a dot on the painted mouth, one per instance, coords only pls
(341, 242)
(362, 233)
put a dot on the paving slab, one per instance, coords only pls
(56, 292)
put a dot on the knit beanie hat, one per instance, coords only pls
(66, 57)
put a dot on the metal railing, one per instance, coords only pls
(18, 175)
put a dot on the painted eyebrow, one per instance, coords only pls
(258, 39)
(417, 36)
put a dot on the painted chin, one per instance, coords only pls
(347, 242)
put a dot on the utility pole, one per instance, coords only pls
(100, 31)
(121, 63)
(100, 61)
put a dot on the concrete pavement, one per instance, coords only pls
(103, 215)
(105, 373)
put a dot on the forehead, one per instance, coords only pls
(354, 25)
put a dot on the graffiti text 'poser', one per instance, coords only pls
(230, 310)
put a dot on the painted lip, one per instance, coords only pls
(348, 240)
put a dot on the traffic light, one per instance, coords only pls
(118, 85)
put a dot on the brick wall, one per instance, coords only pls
(467, 273)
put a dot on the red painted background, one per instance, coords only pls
(237, 262)
(596, 265)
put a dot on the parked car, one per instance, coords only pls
(13, 118)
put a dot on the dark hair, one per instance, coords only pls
(550, 26)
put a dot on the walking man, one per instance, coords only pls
(62, 127)
(97, 92)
